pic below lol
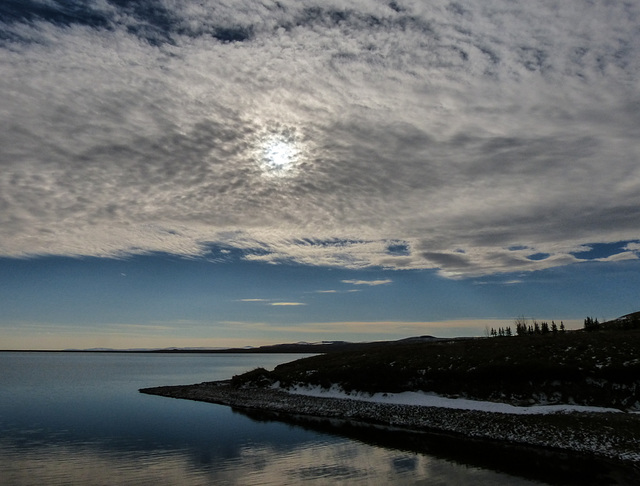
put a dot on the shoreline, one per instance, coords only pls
(607, 435)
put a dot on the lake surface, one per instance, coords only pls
(78, 418)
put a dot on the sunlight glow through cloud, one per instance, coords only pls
(280, 155)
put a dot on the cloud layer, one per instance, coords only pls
(489, 137)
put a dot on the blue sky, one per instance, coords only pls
(162, 300)
(204, 174)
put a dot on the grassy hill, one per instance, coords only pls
(600, 368)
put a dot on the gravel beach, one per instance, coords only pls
(607, 435)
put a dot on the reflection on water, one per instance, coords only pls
(84, 464)
(538, 465)
(344, 462)
(79, 419)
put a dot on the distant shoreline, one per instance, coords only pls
(286, 348)
(595, 434)
(163, 351)
(321, 347)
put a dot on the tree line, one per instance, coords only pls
(524, 328)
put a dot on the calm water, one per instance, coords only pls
(77, 418)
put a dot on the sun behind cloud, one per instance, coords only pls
(280, 155)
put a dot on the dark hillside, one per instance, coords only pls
(599, 368)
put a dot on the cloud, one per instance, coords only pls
(634, 246)
(273, 303)
(425, 135)
(367, 282)
(500, 282)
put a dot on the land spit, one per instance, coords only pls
(607, 435)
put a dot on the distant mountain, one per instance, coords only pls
(321, 347)
(301, 347)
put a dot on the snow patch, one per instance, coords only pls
(424, 399)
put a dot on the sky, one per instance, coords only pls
(231, 173)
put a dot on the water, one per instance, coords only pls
(78, 418)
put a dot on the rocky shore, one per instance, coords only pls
(608, 435)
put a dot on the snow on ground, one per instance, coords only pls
(433, 400)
